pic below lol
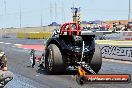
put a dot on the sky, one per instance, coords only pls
(43, 12)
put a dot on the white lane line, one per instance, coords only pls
(7, 43)
(1, 42)
(17, 44)
(117, 61)
(13, 46)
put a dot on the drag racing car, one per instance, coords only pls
(69, 46)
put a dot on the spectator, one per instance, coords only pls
(5, 75)
(114, 24)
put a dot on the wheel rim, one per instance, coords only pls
(50, 60)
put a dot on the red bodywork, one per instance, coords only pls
(68, 27)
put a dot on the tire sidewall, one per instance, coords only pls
(58, 63)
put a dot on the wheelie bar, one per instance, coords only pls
(84, 68)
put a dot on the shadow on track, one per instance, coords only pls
(68, 72)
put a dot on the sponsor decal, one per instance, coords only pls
(104, 78)
(117, 51)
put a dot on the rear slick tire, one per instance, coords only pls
(53, 60)
(96, 61)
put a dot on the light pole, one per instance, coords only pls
(5, 26)
(51, 12)
(20, 17)
(20, 14)
(41, 14)
(5, 12)
(5, 6)
(129, 14)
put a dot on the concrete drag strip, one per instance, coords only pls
(34, 78)
(22, 82)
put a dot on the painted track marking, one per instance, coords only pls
(29, 46)
(7, 43)
(17, 44)
(26, 46)
(1, 42)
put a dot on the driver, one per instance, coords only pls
(55, 32)
(5, 75)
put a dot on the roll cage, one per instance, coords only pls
(70, 29)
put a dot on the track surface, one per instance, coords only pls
(26, 77)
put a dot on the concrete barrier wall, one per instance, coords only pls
(34, 35)
(29, 29)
